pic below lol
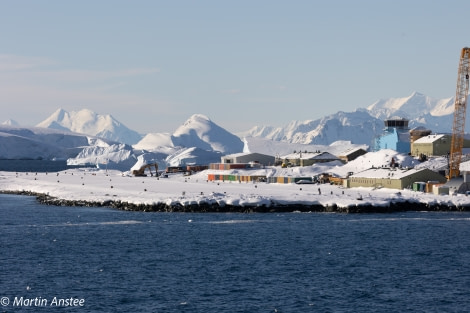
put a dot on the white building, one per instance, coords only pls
(248, 158)
(308, 158)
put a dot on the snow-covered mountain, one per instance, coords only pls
(197, 141)
(101, 140)
(10, 122)
(434, 114)
(363, 125)
(358, 127)
(411, 107)
(198, 131)
(89, 123)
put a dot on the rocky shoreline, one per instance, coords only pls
(216, 208)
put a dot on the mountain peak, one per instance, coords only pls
(59, 114)
(10, 122)
(198, 119)
(199, 131)
(415, 94)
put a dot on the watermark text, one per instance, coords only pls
(42, 302)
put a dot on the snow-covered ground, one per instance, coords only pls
(94, 185)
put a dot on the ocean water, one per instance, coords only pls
(81, 259)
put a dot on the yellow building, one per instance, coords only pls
(394, 178)
(431, 145)
(434, 145)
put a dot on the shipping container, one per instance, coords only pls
(440, 190)
(196, 168)
(419, 186)
(430, 184)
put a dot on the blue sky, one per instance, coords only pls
(152, 64)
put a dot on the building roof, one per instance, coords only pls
(420, 129)
(351, 151)
(311, 156)
(385, 172)
(235, 155)
(430, 138)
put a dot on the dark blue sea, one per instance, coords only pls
(79, 259)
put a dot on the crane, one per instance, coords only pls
(460, 108)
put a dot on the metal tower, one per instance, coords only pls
(460, 109)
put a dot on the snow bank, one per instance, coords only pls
(100, 186)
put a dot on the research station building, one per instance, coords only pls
(394, 178)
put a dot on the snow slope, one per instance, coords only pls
(154, 141)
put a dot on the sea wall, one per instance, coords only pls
(216, 208)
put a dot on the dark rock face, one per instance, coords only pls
(216, 208)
